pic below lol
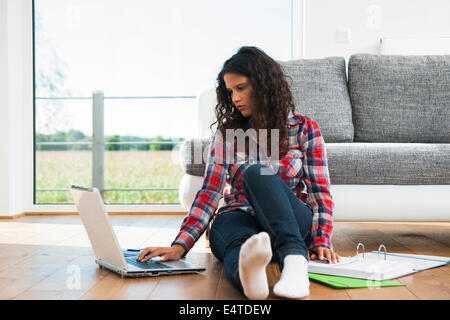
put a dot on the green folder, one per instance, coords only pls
(346, 282)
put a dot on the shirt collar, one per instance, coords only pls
(292, 119)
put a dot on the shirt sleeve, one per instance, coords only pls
(207, 198)
(317, 181)
(291, 166)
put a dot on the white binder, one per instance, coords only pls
(378, 265)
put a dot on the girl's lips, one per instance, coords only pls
(240, 107)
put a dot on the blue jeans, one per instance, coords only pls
(278, 211)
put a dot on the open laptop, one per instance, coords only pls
(106, 247)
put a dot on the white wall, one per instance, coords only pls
(4, 135)
(369, 21)
(16, 103)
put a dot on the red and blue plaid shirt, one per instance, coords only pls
(303, 168)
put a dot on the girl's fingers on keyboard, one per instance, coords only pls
(144, 253)
(154, 253)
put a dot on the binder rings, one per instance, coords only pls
(377, 265)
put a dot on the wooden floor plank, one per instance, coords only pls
(321, 292)
(114, 287)
(40, 256)
(430, 284)
(225, 291)
(385, 293)
(201, 286)
(273, 276)
(48, 264)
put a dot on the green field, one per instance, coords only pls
(123, 169)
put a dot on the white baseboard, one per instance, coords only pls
(391, 202)
(369, 202)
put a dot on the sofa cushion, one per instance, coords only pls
(389, 163)
(359, 163)
(319, 87)
(400, 98)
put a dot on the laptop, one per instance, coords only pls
(107, 251)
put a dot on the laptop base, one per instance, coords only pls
(135, 273)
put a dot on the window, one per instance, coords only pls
(148, 60)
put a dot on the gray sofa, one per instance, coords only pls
(386, 132)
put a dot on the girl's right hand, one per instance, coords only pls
(174, 252)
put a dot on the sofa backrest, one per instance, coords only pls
(319, 87)
(400, 98)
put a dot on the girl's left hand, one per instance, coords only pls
(329, 254)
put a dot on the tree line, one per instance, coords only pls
(78, 136)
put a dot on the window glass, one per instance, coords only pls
(150, 59)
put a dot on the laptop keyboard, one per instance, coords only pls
(147, 265)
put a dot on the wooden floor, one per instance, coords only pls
(49, 257)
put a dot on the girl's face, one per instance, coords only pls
(241, 92)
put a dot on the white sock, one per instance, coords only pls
(254, 256)
(294, 281)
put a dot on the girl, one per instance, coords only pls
(278, 215)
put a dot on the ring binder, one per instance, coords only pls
(379, 249)
(357, 249)
(371, 266)
(364, 250)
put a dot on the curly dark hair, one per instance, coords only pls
(271, 95)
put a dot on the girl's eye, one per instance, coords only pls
(239, 88)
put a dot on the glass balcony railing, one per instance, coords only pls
(101, 176)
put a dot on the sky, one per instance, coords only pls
(146, 48)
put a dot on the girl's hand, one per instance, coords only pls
(329, 254)
(174, 252)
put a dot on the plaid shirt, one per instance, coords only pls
(303, 168)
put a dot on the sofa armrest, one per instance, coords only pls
(189, 186)
(193, 156)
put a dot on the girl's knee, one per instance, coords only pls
(258, 170)
(252, 171)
